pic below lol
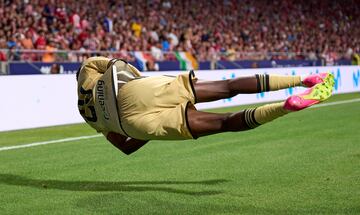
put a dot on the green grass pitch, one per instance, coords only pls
(304, 163)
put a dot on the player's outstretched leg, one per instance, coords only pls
(203, 123)
(214, 90)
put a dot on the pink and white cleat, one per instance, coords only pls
(312, 80)
(316, 94)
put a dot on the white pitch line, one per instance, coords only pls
(98, 135)
(48, 142)
(336, 103)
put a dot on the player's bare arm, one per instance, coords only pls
(125, 144)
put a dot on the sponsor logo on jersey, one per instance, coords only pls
(100, 97)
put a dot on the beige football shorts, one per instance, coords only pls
(154, 108)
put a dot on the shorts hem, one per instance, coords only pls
(187, 122)
(191, 76)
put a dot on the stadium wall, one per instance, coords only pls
(48, 100)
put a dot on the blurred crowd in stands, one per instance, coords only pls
(208, 29)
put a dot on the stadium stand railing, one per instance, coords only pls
(149, 61)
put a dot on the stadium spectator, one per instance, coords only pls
(49, 56)
(263, 29)
(26, 41)
(55, 69)
(3, 46)
(40, 42)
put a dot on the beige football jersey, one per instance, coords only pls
(114, 97)
(91, 71)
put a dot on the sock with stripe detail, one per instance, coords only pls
(249, 118)
(266, 82)
(255, 117)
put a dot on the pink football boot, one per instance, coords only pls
(316, 94)
(312, 80)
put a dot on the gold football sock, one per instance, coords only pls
(255, 117)
(276, 82)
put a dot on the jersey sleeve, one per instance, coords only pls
(135, 71)
(96, 64)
